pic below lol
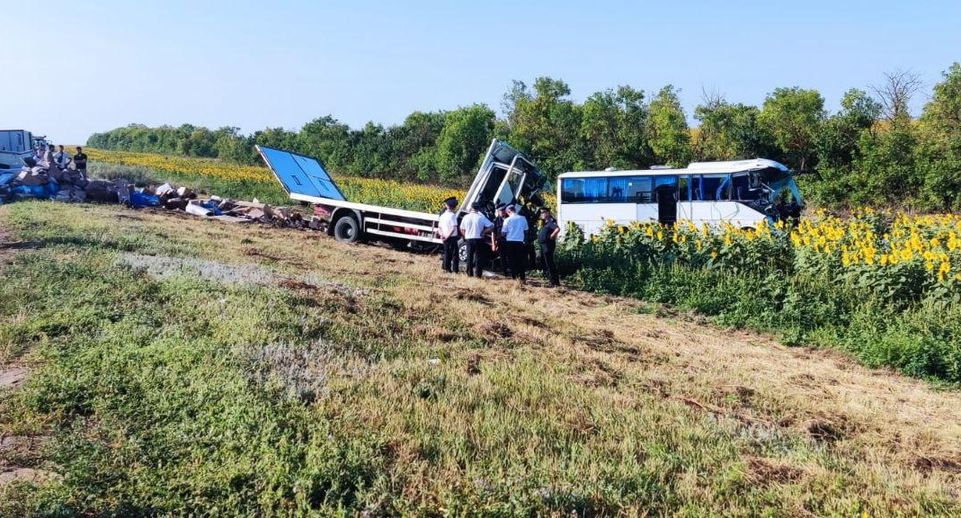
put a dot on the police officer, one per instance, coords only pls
(547, 239)
(474, 226)
(448, 231)
(514, 232)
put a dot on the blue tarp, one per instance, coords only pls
(139, 199)
(36, 191)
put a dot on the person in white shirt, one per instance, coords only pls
(515, 235)
(61, 158)
(448, 231)
(47, 156)
(474, 227)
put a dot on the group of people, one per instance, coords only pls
(507, 236)
(49, 155)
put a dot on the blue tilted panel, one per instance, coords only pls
(300, 174)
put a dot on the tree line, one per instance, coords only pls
(871, 151)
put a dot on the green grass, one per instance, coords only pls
(189, 396)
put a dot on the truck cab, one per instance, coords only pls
(506, 176)
(15, 145)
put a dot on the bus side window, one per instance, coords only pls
(584, 190)
(708, 187)
(684, 188)
(630, 189)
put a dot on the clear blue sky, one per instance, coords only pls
(71, 69)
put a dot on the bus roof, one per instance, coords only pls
(728, 167)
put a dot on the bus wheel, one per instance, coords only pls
(347, 230)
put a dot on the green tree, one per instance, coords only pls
(838, 138)
(667, 130)
(371, 151)
(546, 124)
(231, 145)
(793, 116)
(731, 131)
(414, 145)
(940, 151)
(612, 129)
(329, 140)
(885, 172)
(465, 136)
(277, 138)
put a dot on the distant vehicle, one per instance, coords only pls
(505, 176)
(742, 193)
(40, 141)
(15, 145)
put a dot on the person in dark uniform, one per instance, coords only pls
(547, 239)
(80, 162)
(497, 239)
(450, 234)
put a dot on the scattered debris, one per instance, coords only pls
(39, 181)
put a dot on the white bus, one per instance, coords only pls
(740, 192)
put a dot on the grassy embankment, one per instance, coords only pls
(186, 366)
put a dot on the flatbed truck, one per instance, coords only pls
(505, 176)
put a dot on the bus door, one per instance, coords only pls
(685, 193)
(665, 192)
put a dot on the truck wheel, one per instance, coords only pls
(347, 230)
(462, 254)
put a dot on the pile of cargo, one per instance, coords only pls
(36, 181)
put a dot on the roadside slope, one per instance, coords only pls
(434, 392)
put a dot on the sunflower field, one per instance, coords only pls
(240, 181)
(887, 287)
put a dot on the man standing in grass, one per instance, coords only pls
(80, 162)
(514, 231)
(447, 228)
(547, 239)
(474, 226)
